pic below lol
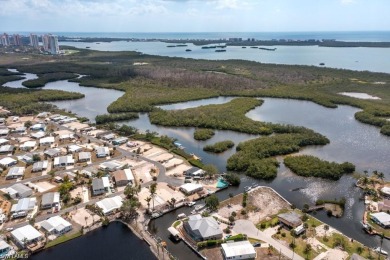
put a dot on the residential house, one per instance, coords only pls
(38, 127)
(40, 166)
(191, 188)
(63, 161)
(50, 200)
(200, 228)
(7, 162)
(238, 250)
(19, 190)
(7, 149)
(89, 172)
(100, 185)
(194, 172)
(52, 152)
(74, 148)
(5, 248)
(26, 235)
(381, 218)
(111, 166)
(28, 158)
(23, 206)
(38, 135)
(102, 152)
(46, 141)
(119, 141)
(56, 225)
(20, 130)
(27, 146)
(3, 141)
(290, 219)
(109, 205)
(4, 132)
(123, 177)
(15, 172)
(85, 157)
(66, 137)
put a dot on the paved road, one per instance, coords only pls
(247, 227)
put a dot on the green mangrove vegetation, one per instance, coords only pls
(203, 134)
(106, 118)
(219, 147)
(46, 78)
(254, 157)
(310, 166)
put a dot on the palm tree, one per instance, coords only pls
(381, 176)
(152, 190)
(326, 228)
(307, 250)
(86, 218)
(148, 199)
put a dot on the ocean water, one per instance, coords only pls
(341, 35)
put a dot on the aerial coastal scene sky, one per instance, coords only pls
(193, 15)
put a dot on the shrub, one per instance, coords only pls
(243, 212)
(233, 179)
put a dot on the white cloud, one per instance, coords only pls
(347, 2)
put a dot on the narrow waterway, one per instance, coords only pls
(351, 140)
(113, 242)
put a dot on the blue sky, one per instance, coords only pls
(194, 15)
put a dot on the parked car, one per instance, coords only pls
(256, 244)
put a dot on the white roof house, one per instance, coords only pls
(19, 190)
(50, 199)
(106, 182)
(381, 218)
(108, 205)
(38, 135)
(191, 188)
(38, 127)
(238, 250)
(63, 161)
(111, 165)
(47, 140)
(4, 132)
(7, 162)
(40, 166)
(56, 225)
(7, 148)
(28, 145)
(85, 156)
(66, 136)
(25, 204)
(26, 234)
(52, 152)
(102, 152)
(3, 141)
(4, 247)
(74, 148)
(386, 191)
(15, 172)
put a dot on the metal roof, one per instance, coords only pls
(241, 248)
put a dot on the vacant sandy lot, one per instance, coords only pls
(83, 217)
(180, 169)
(41, 186)
(162, 157)
(142, 172)
(163, 195)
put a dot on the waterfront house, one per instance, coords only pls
(27, 146)
(26, 235)
(63, 161)
(238, 250)
(119, 141)
(7, 149)
(108, 137)
(381, 218)
(15, 172)
(56, 225)
(290, 219)
(50, 200)
(19, 190)
(45, 141)
(191, 188)
(52, 152)
(7, 162)
(85, 157)
(109, 205)
(102, 152)
(194, 172)
(40, 166)
(4, 248)
(200, 228)
(123, 177)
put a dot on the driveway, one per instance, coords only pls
(247, 227)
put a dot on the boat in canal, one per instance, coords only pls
(381, 251)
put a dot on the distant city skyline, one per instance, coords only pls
(193, 15)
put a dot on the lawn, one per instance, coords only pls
(339, 240)
(63, 239)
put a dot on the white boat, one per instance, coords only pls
(190, 204)
(200, 207)
(381, 251)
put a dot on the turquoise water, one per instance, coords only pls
(221, 183)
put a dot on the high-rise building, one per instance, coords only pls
(34, 41)
(46, 42)
(53, 44)
(5, 40)
(17, 40)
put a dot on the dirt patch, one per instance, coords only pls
(265, 253)
(214, 253)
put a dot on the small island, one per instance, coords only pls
(203, 134)
(219, 147)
